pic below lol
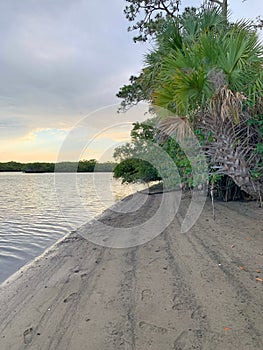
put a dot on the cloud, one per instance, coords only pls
(63, 57)
(45, 134)
(60, 60)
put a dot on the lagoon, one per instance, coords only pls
(38, 209)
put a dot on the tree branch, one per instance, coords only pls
(165, 8)
(218, 2)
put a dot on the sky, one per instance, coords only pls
(61, 64)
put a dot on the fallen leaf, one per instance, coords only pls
(242, 267)
(259, 279)
(227, 329)
(248, 238)
(258, 271)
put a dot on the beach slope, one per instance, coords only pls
(197, 290)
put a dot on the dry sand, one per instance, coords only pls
(197, 290)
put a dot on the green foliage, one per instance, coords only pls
(140, 133)
(133, 93)
(148, 15)
(153, 13)
(11, 166)
(106, 167)
(181, 161)
(87, 165)
(177, 57)
(40, 167)
(135, 170)
(209, 59)
(143, 131)
(209, 72)
(123, 152)
(132, 169)
(196, 54)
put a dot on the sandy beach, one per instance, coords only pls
(197, 290)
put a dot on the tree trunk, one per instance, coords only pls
(224, 6)
(232, 150)
(229, 158)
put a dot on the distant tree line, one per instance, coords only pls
(41, 167)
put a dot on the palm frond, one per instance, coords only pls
(227, 105)
(240, 57)
(177, 127)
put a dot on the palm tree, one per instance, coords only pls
(209, 72)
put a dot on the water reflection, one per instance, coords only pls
(33, 215)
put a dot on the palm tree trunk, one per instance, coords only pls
(224, 6)
(230, 158)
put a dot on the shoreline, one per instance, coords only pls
(41, 220)
(54, 245)
(27, 266)
(50, 249)
(175, 291)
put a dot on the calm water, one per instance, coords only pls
(38, 209)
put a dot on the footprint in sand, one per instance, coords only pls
(188, 340)
(28, 335)
(146, 295)
(152, 327)
(71, 297)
